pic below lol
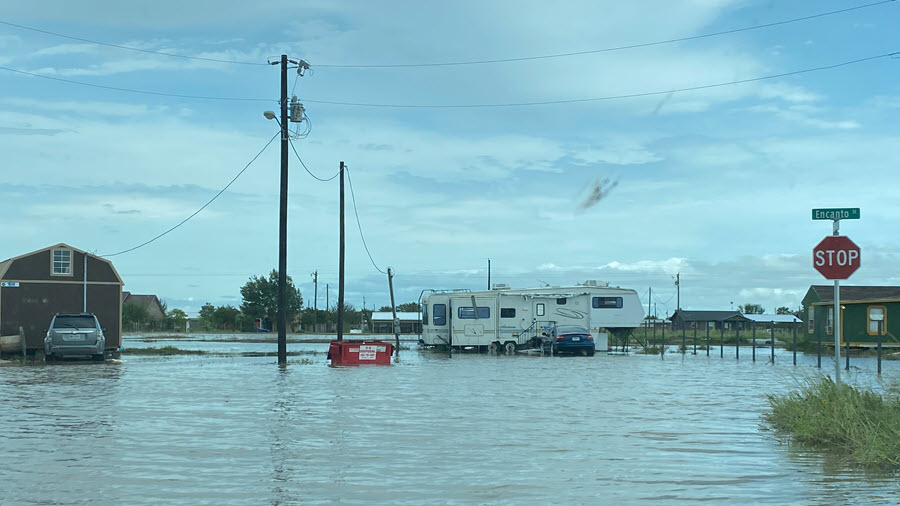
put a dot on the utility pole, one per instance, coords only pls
(315, 276)
(282, 222)
(678, 290)
(390, 274)
(489, 274)
(327, 293)
(340, 309)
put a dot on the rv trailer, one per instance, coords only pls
(509, 319)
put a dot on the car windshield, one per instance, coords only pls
(74, 321)
(570, 329)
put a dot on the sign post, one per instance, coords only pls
(836, 257)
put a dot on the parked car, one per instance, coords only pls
(74, 334)
(572, 339)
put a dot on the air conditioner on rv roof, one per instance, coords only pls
(500, 286)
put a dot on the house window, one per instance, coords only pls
(811, 319)
(61, 262)
(440, 314)
(606, 302)
(561, 301)
(539, 309)
(468, 313)
(874, 316)
(507, 312)
(829, 321)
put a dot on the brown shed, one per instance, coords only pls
(37, 285)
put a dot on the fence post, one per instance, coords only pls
(753, 328)
(722, 341)
(848, 348)
(683, 340)
(819, 350)
(695, 338)
(772, 337)
(737, 342)
(880, 323)
(794, 328)
(707, 339)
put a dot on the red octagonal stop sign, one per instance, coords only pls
(836, 257)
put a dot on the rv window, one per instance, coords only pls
(507, 312)
(425, 314)
(607, 302)
(440, 315)
(539, 309)
(561, 301)
(467, 313)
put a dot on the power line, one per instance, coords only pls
(129, 90)
(338, 173)
(470, 62)
(608, 49)
(495, 105)
(605, 98)
(204, 205)
(358, 224)
(130, 48)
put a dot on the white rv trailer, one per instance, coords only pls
(512, 318)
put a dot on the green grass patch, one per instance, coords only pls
(165, 350)
(863, 426)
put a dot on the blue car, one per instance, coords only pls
(572, 339)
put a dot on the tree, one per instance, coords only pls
(177, 317)
(260, 297)
(783, 310)
(207, 318)
(409, 307)
(132, 313)
(225, 316)
(751, 309)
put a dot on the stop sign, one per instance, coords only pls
(836, 257)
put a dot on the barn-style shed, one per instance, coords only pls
(864, 310)
(58, 279)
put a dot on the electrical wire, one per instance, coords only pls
(476, 106)
(358, 223)
(608, 49)
(118, 46)
(203, 206)
(472, 62)
(338, 173)
(609, 97)
(129, 90)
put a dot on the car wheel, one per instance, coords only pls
(97, 358)
(48, 358)
(590, 353)
(509, 347)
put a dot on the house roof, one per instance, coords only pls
(855, 293)
(144, 301)
(709, 316)
(777, 318)
(387, 316)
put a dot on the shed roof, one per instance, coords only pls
(853, 293)
(709, 316)
(777, 318)
(5, 264)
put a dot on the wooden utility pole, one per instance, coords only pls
(340, 309)
(394, 311)
(282, 221)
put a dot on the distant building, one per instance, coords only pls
(864, 309)
(410, 323)
(728, 320)
(37, 285)
(151, 303)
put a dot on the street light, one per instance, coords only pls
(270, 115)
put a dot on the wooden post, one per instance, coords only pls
(695, 338)
(394, 311)
(340, 309)
(880, 323)
(707, 339)
(737, 342)
(753, 331)
(794, 328)
(772, 336)
(722, 342)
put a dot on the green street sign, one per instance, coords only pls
(839, 213)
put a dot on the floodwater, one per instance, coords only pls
(471, 429)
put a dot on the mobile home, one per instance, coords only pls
(514, 318)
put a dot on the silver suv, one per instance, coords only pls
(74, 334)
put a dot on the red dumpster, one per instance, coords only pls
(360, 352)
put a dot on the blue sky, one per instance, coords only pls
(716, 184)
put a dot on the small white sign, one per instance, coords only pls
(367, 355)
(9, 284)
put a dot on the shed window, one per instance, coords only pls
(606, 302)
(811, 320)
(507, 312)
(468, 313)
(874, 315)
(539, 309)
(440, 314)
(62, 262)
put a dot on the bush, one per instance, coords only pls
(862, 425)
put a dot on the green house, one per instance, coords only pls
(865, 310)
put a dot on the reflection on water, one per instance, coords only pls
(228, 429)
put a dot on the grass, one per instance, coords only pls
(165, 350)
(863, 426)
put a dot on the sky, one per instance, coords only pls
(556, 167)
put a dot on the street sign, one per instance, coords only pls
(839, 213)
(836, 257)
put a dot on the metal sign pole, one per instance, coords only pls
(837, 321)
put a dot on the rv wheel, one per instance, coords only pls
(510, 347)
(494, 348)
